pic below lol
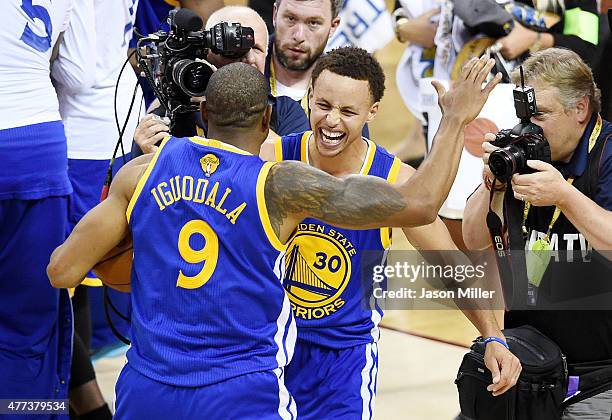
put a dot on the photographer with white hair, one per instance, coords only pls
(560, 210)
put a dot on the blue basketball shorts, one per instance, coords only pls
(35, 318)
(259, 395)
(332, 383)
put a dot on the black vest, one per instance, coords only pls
(577, 280)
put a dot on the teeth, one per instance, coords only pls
(332, 135)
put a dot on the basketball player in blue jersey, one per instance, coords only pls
(212, 328)
(35, 319)
(333, 372)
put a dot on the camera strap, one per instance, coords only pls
(500, 244)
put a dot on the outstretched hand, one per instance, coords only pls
(466, 97)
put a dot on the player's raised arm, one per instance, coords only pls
(295, 191)
(98, 232)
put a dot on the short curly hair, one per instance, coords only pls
(355, 63)
(236, 96)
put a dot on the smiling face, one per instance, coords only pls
(339, 108)
(302, 29)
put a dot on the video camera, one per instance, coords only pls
(524, 142)
(174, 62)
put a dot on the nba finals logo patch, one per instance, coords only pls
(209, 164)
(317, 270)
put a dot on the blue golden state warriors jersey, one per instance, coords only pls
(207, 300)
(322, 271)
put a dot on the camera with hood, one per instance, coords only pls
(175, 62)
(523, 142)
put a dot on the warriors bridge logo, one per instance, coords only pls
(317, 270)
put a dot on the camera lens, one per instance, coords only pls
(506, 161)
(191, 76)
(231, 40)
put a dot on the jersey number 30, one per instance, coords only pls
(207, 255)
(39, 43)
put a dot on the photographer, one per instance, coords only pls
(287, 115)
(578, 184)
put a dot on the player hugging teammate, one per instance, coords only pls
(230, 232)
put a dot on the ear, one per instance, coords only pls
(274, 12)
(266, 118)
(334, 25)
(310, 98)
(372, 112)
(582, 110)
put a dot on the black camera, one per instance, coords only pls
(174, 62)
(524, 142)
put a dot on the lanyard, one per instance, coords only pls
(273, 79)
(303, 102)
(570, 180)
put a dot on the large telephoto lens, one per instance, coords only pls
(191, 76)
(507, 161)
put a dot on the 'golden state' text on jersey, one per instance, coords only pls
(322, 270)
(207, 301)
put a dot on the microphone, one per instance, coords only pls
(187, 20)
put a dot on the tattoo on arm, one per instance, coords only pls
(295, 189)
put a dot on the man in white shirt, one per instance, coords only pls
(91, 132)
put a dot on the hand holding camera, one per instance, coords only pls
(151, 130)
(522, 143)
(487, 175)
(544, 187)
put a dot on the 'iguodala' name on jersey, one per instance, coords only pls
(317, 270)
(187, 188)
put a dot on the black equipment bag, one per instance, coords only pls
(539, 392)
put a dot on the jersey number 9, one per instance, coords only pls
(207, 255)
